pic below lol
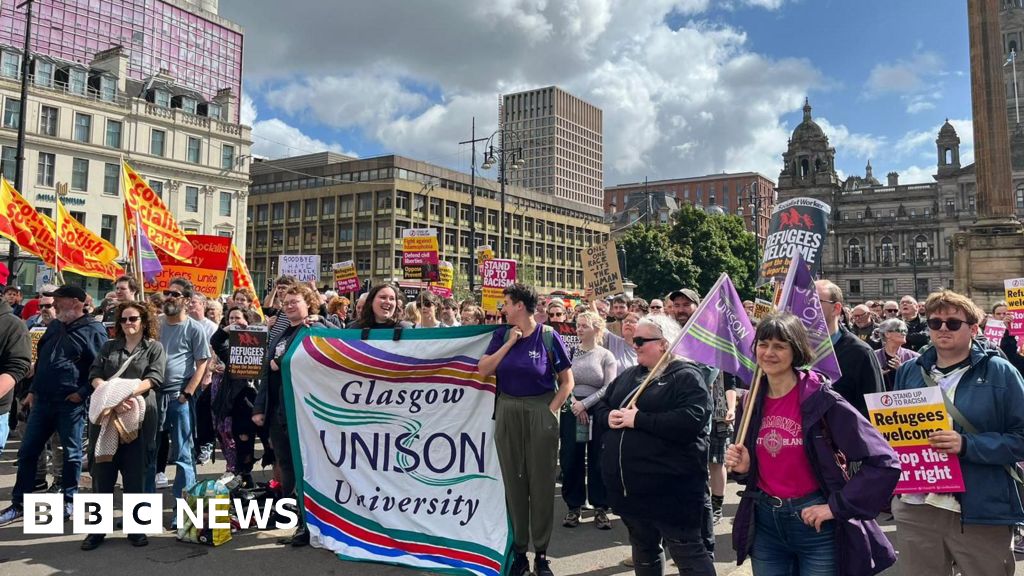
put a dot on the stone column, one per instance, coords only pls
(208, 208)
(988, 104)
(241, 220)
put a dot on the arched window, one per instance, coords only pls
(947, 156)
(921, 249)
(805, 168)
(888, 251)
(854, 249)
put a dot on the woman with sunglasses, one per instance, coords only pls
(800, 513)
(621, 347)
(893, 335)
(655, 455)
(137, 349)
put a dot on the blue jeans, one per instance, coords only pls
(785, 546)
(5, 431)
(68, 420)
(178, 424)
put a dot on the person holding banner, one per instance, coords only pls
(534, 381)
(984, 394)
(655, 455)
(801, 506)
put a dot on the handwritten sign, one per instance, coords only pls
(305, 267)
(906, 418)
(419, 254)
(345, 277)
(34, 336)
(994, 330)
(443, 287)
(206, 268)
(601, 270)
(247, 347)
(498, 274)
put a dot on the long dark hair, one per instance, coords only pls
(147, 318)
(367, 318)
(787, 328)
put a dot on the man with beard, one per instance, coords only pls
(188, 353)
(57, 395)
(862, 326)
(684, 304)
(619, 309)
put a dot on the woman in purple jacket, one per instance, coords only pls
(893, 335)
(801, 510)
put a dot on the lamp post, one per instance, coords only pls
(757, 199)
(507, 153)
(19, 164)
(472, 202)
(913, 263)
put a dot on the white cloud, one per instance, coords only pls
(274, 138)
(904, 76)
(851, 143)
(921, 144)
(917, 174)
(919, 106)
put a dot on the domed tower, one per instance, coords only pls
(948, 147)
(809, 163)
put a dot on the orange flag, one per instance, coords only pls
(70, 257)
(83, 244)
(241, 278)
(19, 221)
(157, 221)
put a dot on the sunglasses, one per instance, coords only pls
(893, 310)
(953, 324)
(129, 319)
(172, 294)
(639, 341)
(45, 306)
(556, 314)
(655, 307)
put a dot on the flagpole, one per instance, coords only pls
(669, 351)
(139, 276)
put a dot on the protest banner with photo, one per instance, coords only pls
(394, 448)
(798, 226)
(34, 335)
(419, 254)
(994, 330)
(601, 270)
(906, 418)
(567, 330)
(498, 274)
(247, 346)
(206, 268)
(1014, 296)
(443, 287)
(305, 267)
(345, 277)
(483, 254)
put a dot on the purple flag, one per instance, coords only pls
(800, 297)
(719, 333)
(151, 266)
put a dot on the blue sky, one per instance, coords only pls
(688, 87)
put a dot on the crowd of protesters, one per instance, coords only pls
(815, 472)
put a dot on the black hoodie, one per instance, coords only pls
(15, 352)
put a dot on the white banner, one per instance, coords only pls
(395, 443)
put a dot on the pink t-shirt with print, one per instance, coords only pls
(783, 468)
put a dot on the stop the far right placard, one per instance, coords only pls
(601, 270)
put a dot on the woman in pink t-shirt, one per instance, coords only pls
(806, 512)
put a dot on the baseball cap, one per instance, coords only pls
(68, 292)
(686, 293)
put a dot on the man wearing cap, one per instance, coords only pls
(12, 294)
(57, 396)
(684, 304)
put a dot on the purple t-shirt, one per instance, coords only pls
(524, 371)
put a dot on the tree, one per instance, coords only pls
(655, 264)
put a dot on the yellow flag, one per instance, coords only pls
(157, 221)
(242, 279)
(79, 238)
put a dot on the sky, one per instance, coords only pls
(687, 87)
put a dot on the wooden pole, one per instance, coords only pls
(748, 407)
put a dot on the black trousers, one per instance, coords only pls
(685, 543)
(206, 432)
(581, 466)
(281, 443)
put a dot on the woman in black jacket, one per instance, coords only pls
(655, 455)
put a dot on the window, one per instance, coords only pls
(262, 212)
(189, 104)
(1020, 197)
(225, 203)
(310, 208)
(158, 188)
(294, 210)
(213, 110)
(80, 216)
(162, 98)
(227, 156)
(365, 202)
(888, 286)
(9, 161)
(79, 174)
(108, 88)
(156, 142)
(108, 228)
(194, 149)
(111, 178)
(44, 173)
(853, 253)
(921, 249)
(83, 127)
(12, 113)
(191, 199)
(11, 63)
(76, 81)
(346, 205)
(855, 286)
(48, 120)
(114, 133)
(888, 251)
(44, 73)
(277, 212)
(327, 207)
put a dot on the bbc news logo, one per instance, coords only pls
(143, 513)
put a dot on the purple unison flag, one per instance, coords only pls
(800, 297)
(719, 333)
(151, 266)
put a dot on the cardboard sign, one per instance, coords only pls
(761, 309)
(345, 277)
(797, 225)
(419, 254)
(601, 270)
(34, 336)
(567, 330)
(498, 274)
(906, 418)
(247, 347)
(994, 330)
(207, 268)
(443, 287)
(305, 267)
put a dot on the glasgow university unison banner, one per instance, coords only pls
(395, 444)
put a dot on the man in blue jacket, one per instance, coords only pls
(973, 529)
(57, 396)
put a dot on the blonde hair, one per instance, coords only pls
(412, 313)
(596, 321)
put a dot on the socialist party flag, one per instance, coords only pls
(719, 333)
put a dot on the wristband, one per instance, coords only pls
(186, 394)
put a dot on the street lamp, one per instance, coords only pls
(19, 163)
(507, 153)
(913, 262)
(472, 203)
(757, 201)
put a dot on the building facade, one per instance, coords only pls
(104, 86)
(742, 194)
(356, 209)
(562, 141)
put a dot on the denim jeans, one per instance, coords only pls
(68, 419)
(178, 424)
(5, 431)
(785, 546)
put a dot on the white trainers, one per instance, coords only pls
(161, 480)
